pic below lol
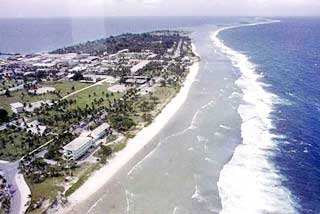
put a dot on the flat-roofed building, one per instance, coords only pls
(78, 147)
(42, 90)
(139, 66)
(17, 107)
(101, 131)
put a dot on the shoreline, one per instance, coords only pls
(135, 145)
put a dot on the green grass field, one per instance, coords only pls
(64, 88)
(87, 97)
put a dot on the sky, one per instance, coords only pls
(94, 8)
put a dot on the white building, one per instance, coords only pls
(42, 90)
(78, 147)
(101, 131)
(139, 66)
(34, 127)
(36, 105)
(17, 107)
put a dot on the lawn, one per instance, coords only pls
(87, 97)
(64, 87)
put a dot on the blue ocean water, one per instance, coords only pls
(28, 35)
(286, 56)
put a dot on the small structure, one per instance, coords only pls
(37, 105)
(118, 88)
(42, 90)
(17, 107)
(139, 66)
(139, 80)
(34, 127)
(101, 131)
(78, 147)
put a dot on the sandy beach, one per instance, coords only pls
(24, 192)
(136, 144)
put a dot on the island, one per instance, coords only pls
(64, 114)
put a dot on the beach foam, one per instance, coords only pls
(249, 183)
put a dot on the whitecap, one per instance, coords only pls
(249, 183)
(225, 127)
(197, 194)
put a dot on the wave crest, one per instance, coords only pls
(249, 183)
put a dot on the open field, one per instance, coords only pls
(93, 94)
(22, 96)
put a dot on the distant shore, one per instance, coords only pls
(135, 145)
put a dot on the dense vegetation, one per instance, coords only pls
(133, 42)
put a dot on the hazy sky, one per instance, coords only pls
(54, 8)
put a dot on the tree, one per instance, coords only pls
(7, 93)
(121, 122)
(3, 115)
(106, 150)
(77, 76)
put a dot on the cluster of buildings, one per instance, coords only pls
(82, 144)
(19, 107)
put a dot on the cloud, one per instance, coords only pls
(49, 8)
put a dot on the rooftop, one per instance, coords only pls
(97, 131)
(16, 105)
(77, 143)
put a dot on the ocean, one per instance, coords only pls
(246, 139)
(285, 60)
(30, 35)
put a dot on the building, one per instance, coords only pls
(31, 107)
(101, 131)
(132, 80)
(17, 107)
(139, 66)
(34, 127)
(42, 90)
(78, 147)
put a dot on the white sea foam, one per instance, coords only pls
(209, 160)
(225, 127)
(249, 183)
(94, 206)
(197, 194)
(201, 139)
(217, 134)
(190, 149)
(198, 112)
(128, 195)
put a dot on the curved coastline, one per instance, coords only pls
(257, 187)
(135, 145)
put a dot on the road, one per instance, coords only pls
(83, 89)
(178, 50)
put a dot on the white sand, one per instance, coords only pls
(102, 176)
(24, 192)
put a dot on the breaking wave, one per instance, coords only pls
(250, 183)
